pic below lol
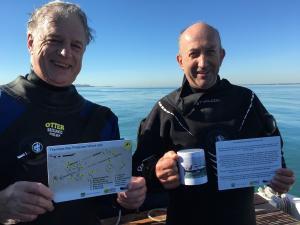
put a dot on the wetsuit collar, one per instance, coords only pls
(56, 99)
(186, 97)
(32, 77)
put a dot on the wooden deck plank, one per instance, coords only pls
(275, 218)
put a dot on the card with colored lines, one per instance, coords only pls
(85, 170)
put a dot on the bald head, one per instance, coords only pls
(200, 31)
(200, 55)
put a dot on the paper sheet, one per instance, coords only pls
(84, 170)
(247, 162)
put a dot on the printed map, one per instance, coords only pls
(85, 170)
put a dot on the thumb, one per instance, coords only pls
(171, 154)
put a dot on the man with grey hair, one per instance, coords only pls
(43, 108)
(204, 110)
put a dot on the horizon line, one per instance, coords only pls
(112, 86)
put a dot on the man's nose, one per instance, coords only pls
(65, 51)
(202, 61)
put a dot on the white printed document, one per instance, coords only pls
(85, 170)
(247, 162)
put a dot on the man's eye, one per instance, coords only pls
(53, 41)
(77, 46)
(211, 51)
(194, 54)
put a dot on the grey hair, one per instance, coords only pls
(59, 9)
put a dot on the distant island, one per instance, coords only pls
(88, 85)
(83, 85)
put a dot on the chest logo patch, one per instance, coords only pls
(55, 129)
(37, 147)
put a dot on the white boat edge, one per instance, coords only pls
(286, 202)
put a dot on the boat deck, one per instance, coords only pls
(266, 214)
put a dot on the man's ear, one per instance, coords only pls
(222, 55)
(30, 42)
(179, 60)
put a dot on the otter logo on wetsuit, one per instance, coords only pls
(55, 129)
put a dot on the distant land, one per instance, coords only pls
(88, 85)
(108, 86)
(273, 84)
(83, 85)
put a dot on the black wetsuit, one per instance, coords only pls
(34, 115)
(189, 119)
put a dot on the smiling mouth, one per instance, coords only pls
(201, 74)
(62, 65)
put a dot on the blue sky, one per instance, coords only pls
(136, 40)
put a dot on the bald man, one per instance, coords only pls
(203, 110)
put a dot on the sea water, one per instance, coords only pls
(131, 105)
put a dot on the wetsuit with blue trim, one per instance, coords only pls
(34, 115)
(188, 118)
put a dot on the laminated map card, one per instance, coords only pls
(77, 171)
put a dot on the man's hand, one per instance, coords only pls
(283, 180)
(23, 201)
(134, 197)
(166, 170)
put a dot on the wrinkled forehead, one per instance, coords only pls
(201, 35)
(56, 19)
(54, 22)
